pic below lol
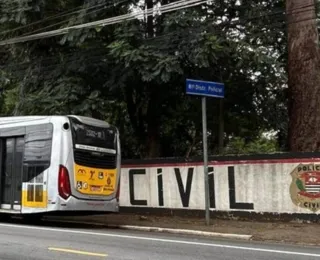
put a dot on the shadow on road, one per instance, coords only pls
(39, 222)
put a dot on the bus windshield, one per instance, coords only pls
(89, 137)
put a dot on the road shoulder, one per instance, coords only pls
(289, 232)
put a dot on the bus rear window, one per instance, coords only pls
(92, 136)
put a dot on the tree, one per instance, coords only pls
(133, 74)
(190, 47)
(304, 76)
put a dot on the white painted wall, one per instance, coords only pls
(266, 184)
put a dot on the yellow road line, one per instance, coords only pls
(76, 251)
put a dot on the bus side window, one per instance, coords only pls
(37, 153)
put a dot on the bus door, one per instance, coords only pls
(11, 155)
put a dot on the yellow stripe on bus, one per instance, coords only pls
(35, 201)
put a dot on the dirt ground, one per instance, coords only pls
(288, 232)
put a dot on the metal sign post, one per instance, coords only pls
(205, 89)
(205, 158)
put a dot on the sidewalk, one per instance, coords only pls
(297, 233)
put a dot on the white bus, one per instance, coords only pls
(58, 164)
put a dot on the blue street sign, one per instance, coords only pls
(204, 88)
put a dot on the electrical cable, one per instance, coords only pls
(65, 21)
(123, 17)
(103, 51)
(64, 14)
(182, 4)
(154, 38)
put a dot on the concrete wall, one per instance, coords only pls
(261, 185)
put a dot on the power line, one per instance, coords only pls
(114, 20)
(64, 21)
(106, 22)
(88, 25)
(63, 14)
(157, 38)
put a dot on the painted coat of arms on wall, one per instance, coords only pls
(305, 186)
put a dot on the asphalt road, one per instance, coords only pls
(18, 241)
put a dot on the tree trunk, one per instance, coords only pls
(152, 144)
(153, 125)
(303, 72)
(150, 27)
(135, 116)
(153, 140)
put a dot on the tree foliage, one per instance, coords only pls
(133, 74)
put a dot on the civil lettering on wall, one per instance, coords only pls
(180, 187)
(277, 186)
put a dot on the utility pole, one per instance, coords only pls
(304, 76)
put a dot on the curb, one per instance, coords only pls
(159, 229)
(185, 232)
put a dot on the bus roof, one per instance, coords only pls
(18, 119)
(21, 119)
